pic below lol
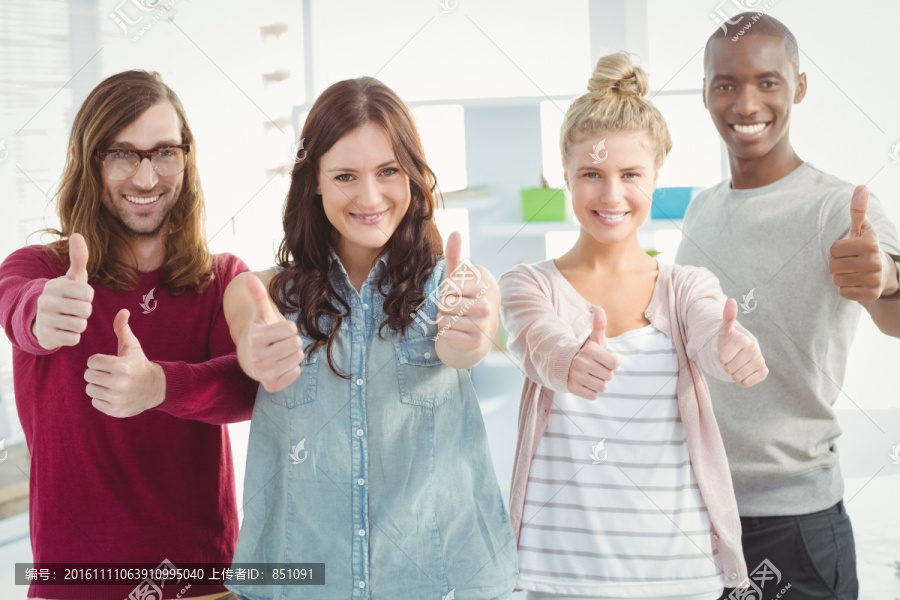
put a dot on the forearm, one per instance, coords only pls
(885, 312)
(242, 344)
(542, 343)
(886, 316)
(18, 309)
(215, 391)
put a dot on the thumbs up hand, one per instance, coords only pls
(598, 328)
(859, 267)
(274, 351)
(64, 306)
(739, 353)
(468, 309)
(592, 367)
(126, 384)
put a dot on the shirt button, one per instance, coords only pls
(648, 313)
(716, 536)
(428, 355)
(362, 532)
(362, 584)
(359, 432)
(359, 382)
(365, 307)
(734, 575)
(361, 481)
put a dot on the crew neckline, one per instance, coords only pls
(784, 181)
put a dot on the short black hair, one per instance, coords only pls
(753, 23)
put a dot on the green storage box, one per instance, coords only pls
(543, 204)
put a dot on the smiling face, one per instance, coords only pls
(142, 203)
(612, 198)
(364, 193)
(749, 88)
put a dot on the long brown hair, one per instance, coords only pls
(304, 285)
(117, 102)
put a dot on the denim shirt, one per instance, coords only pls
(385, 477)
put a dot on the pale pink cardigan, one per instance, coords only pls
(547, 320)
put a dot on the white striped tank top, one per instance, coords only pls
(612, 508)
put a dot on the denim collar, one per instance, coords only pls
(341, 278)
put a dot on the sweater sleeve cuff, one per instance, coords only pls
(561, 363)
(177, 386)
(22, 331)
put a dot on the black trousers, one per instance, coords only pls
(802, 557)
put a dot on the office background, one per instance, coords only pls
(489, 82)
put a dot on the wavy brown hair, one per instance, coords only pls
(114, 104)
(304, 285)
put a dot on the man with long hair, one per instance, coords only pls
(125, 373)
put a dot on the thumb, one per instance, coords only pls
(78, 259)
(858, 205)
(452, 253)
(127, 340)
(260, 299)
(598, 334)
(729, 316)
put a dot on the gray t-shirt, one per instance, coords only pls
(775, 241)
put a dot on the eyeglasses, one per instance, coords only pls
(123, 163)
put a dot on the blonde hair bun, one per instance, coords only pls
(617, 74)
(616, 101)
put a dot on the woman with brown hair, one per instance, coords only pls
(368, 455)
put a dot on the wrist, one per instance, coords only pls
(159, 385)
(38, 339)
(242, 349)
(891, 285)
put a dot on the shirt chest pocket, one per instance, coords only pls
(304, 389)
(423, 379)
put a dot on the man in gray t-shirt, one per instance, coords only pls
(785, 239)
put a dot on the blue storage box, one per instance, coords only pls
(671, 202)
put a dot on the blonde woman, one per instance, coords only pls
(621, 487)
